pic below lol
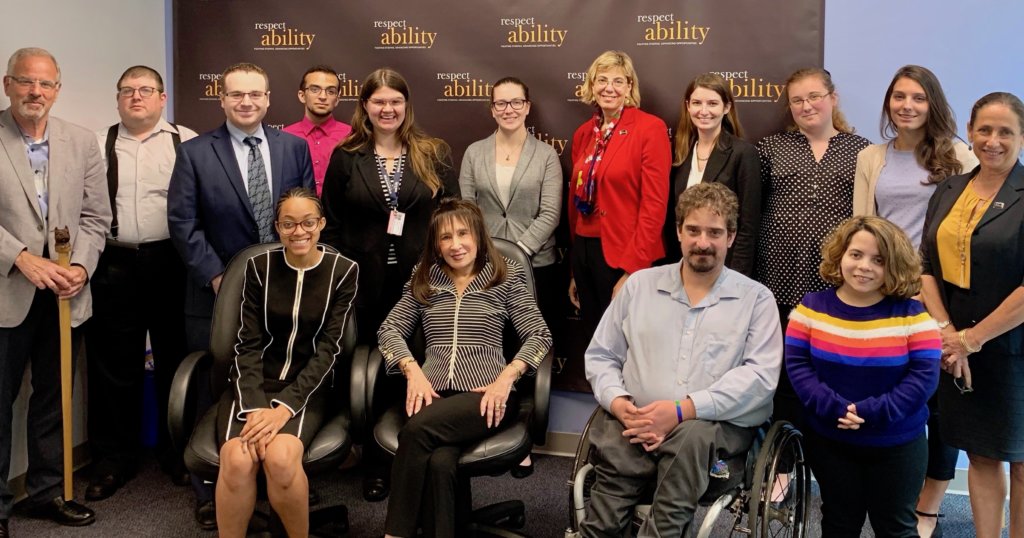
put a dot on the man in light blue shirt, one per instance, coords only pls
(684, 362)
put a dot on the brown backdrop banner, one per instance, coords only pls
(450, 52)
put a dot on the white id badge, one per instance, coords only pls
(396, 222)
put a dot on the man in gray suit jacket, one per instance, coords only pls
(51, 176)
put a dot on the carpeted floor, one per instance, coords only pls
(150, 506)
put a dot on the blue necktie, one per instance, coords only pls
(259, 193)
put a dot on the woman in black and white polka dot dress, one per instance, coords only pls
(808, 175)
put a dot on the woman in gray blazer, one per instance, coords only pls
(516, 180)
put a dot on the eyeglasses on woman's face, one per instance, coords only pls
(516, 104)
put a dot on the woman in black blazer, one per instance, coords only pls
(382, 184)
(973, 285)
(386, 170)
(709, 147)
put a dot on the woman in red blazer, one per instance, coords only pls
(618, 189)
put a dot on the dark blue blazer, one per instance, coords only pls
(208, 210)
(997, 254)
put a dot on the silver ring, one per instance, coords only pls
(501, 406)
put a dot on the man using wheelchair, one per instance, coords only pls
(684, 363)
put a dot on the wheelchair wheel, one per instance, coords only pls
(781, 456)
(581, 480)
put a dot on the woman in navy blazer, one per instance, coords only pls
(709, 146)
(618, 188)
(973, 285)
(382, 184)
(359, 202)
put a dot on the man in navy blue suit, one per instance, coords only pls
(221, 199)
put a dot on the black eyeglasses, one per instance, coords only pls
(238, 96)
(288, 227)
(144, 91)
(960, 384)
(315, 90)
(516, 104)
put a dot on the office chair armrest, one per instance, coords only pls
(542, 400)
(359, 395)
(181, 402)
(376, 371)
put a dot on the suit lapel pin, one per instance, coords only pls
(622, 132)
(998, 205)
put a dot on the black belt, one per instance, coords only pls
(112, 243)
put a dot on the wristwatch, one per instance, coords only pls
(943, 324)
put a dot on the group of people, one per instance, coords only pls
(780, 279)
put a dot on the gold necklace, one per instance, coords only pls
(508, 155)
(964, 229)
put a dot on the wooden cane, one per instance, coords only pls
(62, 242)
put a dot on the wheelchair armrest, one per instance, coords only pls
(181, 401)
(359, 393)
(541, 400)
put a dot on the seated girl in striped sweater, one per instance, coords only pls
(864, 359)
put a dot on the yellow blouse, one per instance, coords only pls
(953, 238)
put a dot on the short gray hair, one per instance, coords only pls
(29, 52)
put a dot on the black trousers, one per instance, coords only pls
(595, 281)
(424, 475)
(551, 299)
(881, 483)
(135, 291)
(941, 457)
(35, 341)
(786, 404)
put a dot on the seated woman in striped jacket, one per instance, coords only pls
(462, 292)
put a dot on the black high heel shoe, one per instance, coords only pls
(937, 531)
(522, 471)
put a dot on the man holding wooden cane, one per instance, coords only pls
(51, 176)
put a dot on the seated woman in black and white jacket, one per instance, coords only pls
(462, 292)
(296, 301)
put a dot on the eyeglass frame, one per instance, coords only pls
(281, 225)
(238, 97)
(26, 83)
(501, 106)
(813, 99)
(394, 103)
(958, 382)
(313, 89)
(618, 84)
(141, 91)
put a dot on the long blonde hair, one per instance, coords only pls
(427, 154)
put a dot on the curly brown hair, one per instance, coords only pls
(901, 261)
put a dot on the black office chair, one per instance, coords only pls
(490, 457)
(327, 450)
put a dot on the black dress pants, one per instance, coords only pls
(424, 475)
(595, 281)
(881, 483)
(35, 341)
(135, 291)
